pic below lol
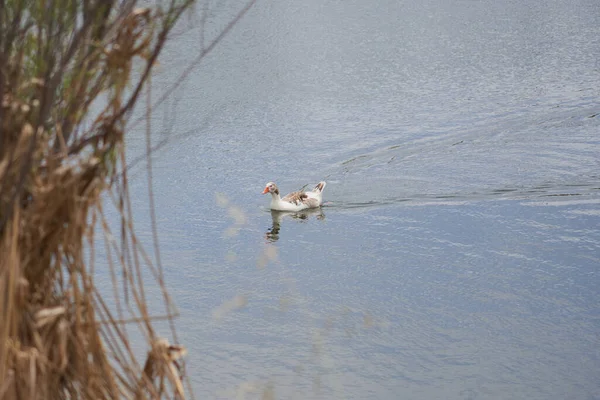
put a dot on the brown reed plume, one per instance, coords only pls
(59, 160)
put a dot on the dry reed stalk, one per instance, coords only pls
(60, 337)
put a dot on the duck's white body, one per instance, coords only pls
(296, 201)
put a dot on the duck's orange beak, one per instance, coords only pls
(266, 190)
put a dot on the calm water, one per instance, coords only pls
(458, 253)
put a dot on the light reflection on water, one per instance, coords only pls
(441, 299)
(457, 252)
(428, 300)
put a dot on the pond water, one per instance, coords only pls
(457, 255)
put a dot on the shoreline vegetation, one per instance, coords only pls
(68, 88)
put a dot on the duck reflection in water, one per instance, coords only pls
(272, 234)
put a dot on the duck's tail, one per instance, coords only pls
(320, 187)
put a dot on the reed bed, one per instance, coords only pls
(68, 86)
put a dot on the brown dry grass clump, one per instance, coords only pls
(59, 337)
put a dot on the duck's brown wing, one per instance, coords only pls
(295, 197)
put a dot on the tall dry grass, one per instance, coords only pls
(59, 337)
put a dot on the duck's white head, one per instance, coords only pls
(271, 187)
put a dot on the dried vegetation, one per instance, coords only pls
(67, 89)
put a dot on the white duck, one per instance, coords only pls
(295, 201)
